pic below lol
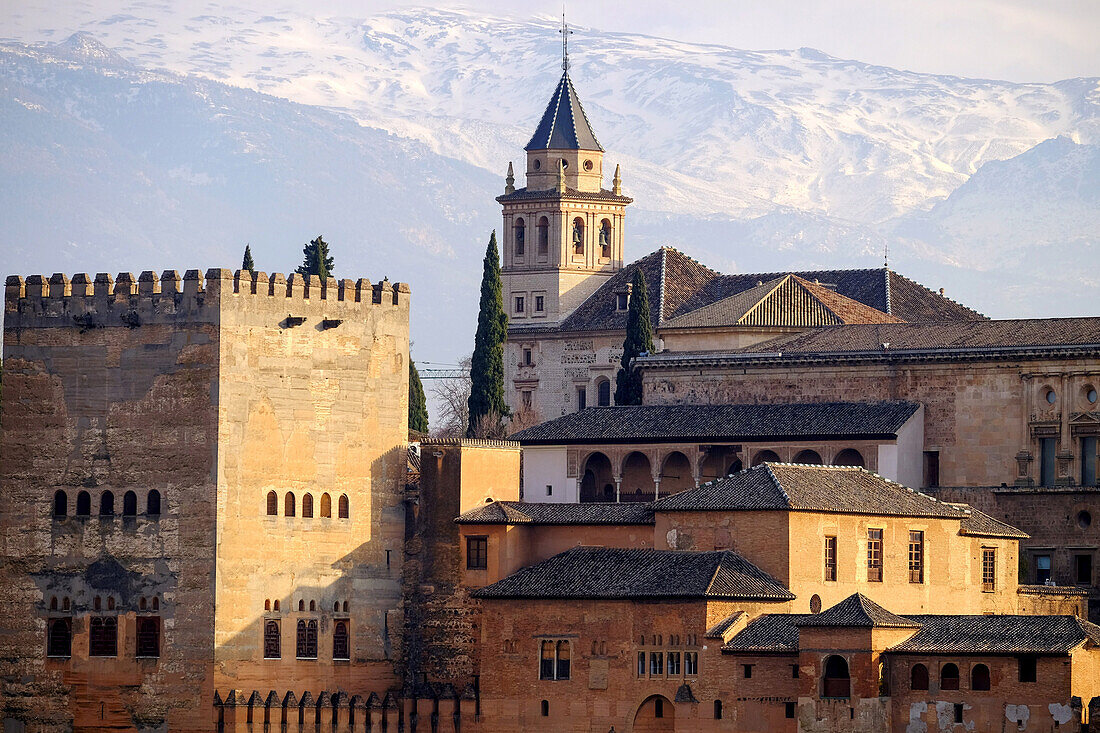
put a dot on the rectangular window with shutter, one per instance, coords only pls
(989, 569)
(830, 558)
(874, 555)
(148, 636)
(916, 557)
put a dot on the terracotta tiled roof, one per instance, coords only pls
(789, 486)
(771, 633)
(611, 573)
(678, 285)
(647, 423)
(947, 635)
(857, 611)
(980, 524)
(998, 635)
(518, 512)
(1037, 332)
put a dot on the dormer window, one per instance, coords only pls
(519, 233)
(622, 301)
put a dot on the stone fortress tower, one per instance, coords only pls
(202, 486)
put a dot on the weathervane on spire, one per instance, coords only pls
(565, 33)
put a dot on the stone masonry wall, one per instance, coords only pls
(108, 388)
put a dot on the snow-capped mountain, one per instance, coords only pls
(391, 134)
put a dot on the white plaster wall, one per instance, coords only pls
(543, 466)
(903, 461)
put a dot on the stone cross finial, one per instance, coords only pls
(510, 180)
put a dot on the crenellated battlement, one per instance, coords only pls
(128, 301)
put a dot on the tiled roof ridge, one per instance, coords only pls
(777, 483)
(556, 101)
(663, 269)
(830, 299)
(886, 279)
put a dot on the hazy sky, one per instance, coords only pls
(1017, 40)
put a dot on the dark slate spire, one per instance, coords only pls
(564, 125)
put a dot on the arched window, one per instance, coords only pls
(837, 682)
(107, 504)
(288, 504)
(563, 660)
(307, 505)
(605, 239)
(272, 504)
(815, 603)
(301, 604)
(83, 504)
(272, 640)
(326, 505)
(335, 606)
(267, 604)
(545, 708)
(810, 457)
(276, 605)
(97, 604)
(110, 603)
(156, 603)
(918, 677)
(544, 236)
(949, 677)
(313, 605)
(345, 606)
(603, 393)
(307, 640)
(152, 503)
(717, 709)
(143, 604)
(340, 646)
(849, 457)
(129, 504)
(65, 603)
(60, 503)
(578, 236)
(53, 603)
(765, 456)
(520, 239)
(60, 637)
(343, 506)
(979, 677)
(103, 636)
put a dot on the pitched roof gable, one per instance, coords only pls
(798, 487)
(857, 611)
(616, 573)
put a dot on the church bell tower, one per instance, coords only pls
(563, 231)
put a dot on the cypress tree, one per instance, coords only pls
(487, 365)
(317, 260)
(418, 404)
(247, 264)
(639, 340)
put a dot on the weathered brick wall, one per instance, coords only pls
(108, 391)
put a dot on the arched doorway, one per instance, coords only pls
(676, 474)
(837, 682)
(655, 715)
(808, 456)
(849, 457)
(596, 478)
(637, 478)
(765, 456)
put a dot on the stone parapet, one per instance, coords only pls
(103, 301)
